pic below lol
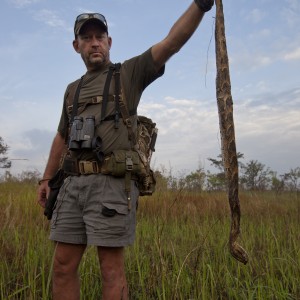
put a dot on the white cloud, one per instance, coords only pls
(23, 3)
(290, 13)
(250, 61)
(260, 34)
(264, 125)
(50, 18)
(293, 55)
(256, 15)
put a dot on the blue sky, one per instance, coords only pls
(263, 39)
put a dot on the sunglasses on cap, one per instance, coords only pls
(82, 18)
(87, 16)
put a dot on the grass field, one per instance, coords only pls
(181, 248)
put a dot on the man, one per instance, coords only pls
(92, 208)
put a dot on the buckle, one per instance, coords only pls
(88, 167)
(128, 122)
(129, 163)
(97, 99)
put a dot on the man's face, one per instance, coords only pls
(93, 44)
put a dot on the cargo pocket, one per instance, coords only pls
(114, 219)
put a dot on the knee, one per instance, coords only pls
(113, 275)
(63, 268)
(110, 274)
(112, 266)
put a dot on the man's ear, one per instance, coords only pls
(75, 46)
(109, 42)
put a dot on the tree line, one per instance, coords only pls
(253, 176)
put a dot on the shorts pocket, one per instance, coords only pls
(113, 219)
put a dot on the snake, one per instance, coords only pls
(227, 133)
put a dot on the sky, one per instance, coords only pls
(263, 40)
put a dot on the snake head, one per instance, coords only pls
(239, 253)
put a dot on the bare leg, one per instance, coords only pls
(66, 285)
(113, 273)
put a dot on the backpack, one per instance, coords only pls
(142, 141)
(145, 145)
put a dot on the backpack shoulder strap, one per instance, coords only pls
(123, 108)
(75, 97)
(106, 91)
(117, 94)
(73, 91)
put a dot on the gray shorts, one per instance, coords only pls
(93, 210)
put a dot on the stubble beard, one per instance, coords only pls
(96, 62)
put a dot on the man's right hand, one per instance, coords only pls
(57, 149)
(43, 192)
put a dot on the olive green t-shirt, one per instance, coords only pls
(136, 74)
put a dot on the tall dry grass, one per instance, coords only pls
(181, 248)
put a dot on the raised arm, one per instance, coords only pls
(180, 32)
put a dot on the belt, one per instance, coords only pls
(85, 167)
(81, 167)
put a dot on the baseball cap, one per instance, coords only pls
(87, 17)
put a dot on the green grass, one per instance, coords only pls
(181, 248)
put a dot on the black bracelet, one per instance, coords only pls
(42, 180)
(204, 5)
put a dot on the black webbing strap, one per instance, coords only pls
(117, 94)
(106, 91)
(75, 101)
(126, 119)
(121, 107)
(75, 95)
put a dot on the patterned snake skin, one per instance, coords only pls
(224, 101)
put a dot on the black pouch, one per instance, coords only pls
(70, 166)
(55, 184)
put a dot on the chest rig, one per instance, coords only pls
(131, 164)
(121, 111)
(119, 163)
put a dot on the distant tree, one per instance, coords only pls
(217, 182)
(29, 176)
(161, 180)
(195, 181)
(218, 162)
(165, 179)
(277, 184)
(255, 176)
(4, 161)
(293, 179)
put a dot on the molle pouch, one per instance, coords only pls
(55, 184)
(119, 162)
(70, 165)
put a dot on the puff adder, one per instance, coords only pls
(225, 110)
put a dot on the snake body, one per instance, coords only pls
(225, 110)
